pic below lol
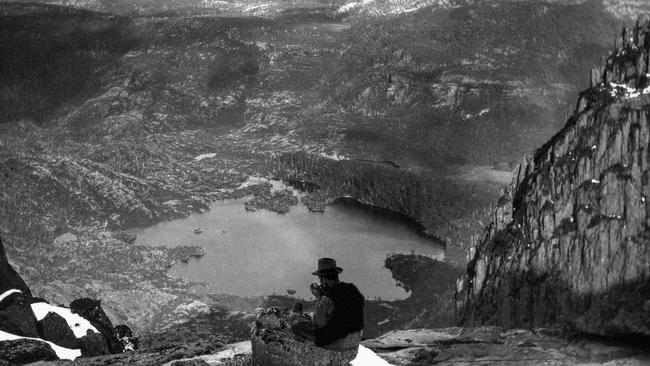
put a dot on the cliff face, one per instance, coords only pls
(569, 243)
(10, 279)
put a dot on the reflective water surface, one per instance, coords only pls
(262, 252)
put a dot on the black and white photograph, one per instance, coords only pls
(324, 182)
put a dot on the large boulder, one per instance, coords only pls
(10, 279)
(93, 344)
(274, 343)
(22, 351)
(55, 329)
(92, 311)
(17, 317)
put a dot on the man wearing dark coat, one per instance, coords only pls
(338, 320)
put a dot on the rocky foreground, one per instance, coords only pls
(272, 343)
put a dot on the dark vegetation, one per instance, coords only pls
(448, 210)
(231, 67)
(54, 56)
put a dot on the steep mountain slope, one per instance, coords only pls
(569, 242)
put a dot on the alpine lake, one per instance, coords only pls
(256, 253)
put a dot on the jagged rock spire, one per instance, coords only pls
(628, 64)
(569, 243)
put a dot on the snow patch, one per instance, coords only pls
(252, 181)
(7, 293)
(262, 45)
(61, 352)
(333, 156)
(193, 307)
(78, 324)
(231, 351)
(204, 156)
(467, 116)
(64, 239)
(276, 185)
(251, 8)
(626, 91)
(347, 7)
(226, 354)
(367, 357)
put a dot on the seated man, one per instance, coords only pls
(338, 320)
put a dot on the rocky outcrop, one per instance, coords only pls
(17, 317)
(55, 329)
(93, 344)
(22, 351)
(197, 362)
(20, 314)
(568, 243)
(125, 335)
(91, 309)
(274, 343)
(498, 346)
(10, 279)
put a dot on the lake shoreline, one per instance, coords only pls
(289, 243)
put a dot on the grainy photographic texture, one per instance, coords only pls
(172, 171)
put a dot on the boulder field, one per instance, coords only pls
(32, 330)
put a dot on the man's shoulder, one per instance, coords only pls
(345, 288)
(350, 285)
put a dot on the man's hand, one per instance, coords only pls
(316, 289)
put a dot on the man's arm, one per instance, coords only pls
(324, 310)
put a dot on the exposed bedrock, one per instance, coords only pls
(10, 279)
(568, 244)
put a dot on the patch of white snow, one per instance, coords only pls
(231, 351)
(64, 239)
(626, 91)
(347, 7)
(367, 357)
(226, 354)
(333, 156)
(252, 181)
(61, 352)
(262, 45)
(276, 185)
(78, 324)
(204, 156)
(7, 293)
(193, 307)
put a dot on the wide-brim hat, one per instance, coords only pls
(327, 266)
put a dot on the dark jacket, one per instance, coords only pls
(347, 316)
